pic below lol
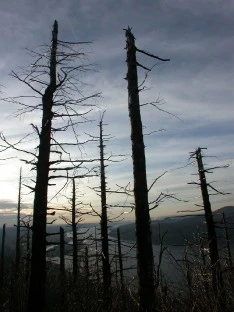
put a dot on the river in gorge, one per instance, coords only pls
(171, 266)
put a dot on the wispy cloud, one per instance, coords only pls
(196, 85)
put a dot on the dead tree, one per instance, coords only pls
(103, 215)
(217, 280)
(101, 191)
(73, 221)
(38, 260)
(145, 262)
(104, 225)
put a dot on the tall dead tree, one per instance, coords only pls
(104, 224)
(101, 191)
(145, 262)
(217, 280)
(103, 215)
(73, 221)
(36, 296)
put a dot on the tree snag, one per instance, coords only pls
(104, 224)
(212, 238)
(38, 262)
(145, 263)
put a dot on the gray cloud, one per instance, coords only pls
(196, 85)
(11, 205)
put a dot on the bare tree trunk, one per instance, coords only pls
(104, 225)
(17, 249)
(2, 255)
(145, 264)
(74, 232)
(36, 299)
(212, 238)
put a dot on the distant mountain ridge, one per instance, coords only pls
(180, 229)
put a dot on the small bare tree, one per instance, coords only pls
(76, 216)
(217, 279)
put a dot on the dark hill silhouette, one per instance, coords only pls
(180, 229)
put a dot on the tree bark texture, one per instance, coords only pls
(145, 263)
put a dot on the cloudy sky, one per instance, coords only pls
(196, 87)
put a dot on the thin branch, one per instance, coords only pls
(155, 180)
(152, 55)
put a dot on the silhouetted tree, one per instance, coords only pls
(217, 279)
(145, 262)
(72, 221)
(38, 261)
(104, 218)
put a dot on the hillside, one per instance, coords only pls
(177, 229)
(180, 229)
